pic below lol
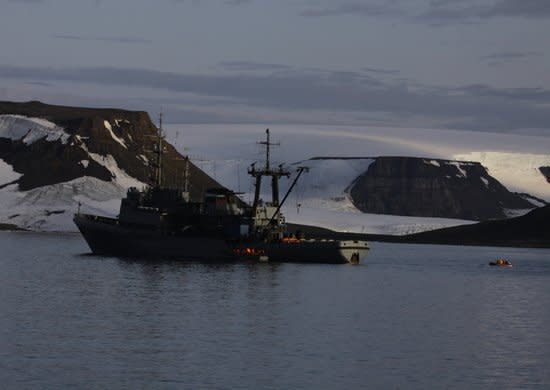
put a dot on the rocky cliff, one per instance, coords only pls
(546, 172)
(432, 188)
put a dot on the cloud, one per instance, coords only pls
(348, 94)
(362, 9)
(381, 71)
(523, 8)
(237, 2)
(253, 66)
(434, 12)
(535, 95)
(504, 57)
(511, 55)
(127, 40)
(38, 83)
(443, 11)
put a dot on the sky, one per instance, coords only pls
(480, 65)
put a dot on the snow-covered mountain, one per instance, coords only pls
(53, 158)
(37, 201)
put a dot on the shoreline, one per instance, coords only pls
(323, 233)
(317, 232)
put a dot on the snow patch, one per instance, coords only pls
(119, 176)
(30, 130)
(485, 181)
(432, 162)
(512, 213)
(85, 163)
(358, 222)
(7, 174)
(534, 202)
(51, 208)
(462, 172)
(119, 121)
(113, 135)
(519, 172)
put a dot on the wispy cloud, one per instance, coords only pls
(25, 1)
(505, 57)
(511, 55)
(444, 12)
(355, 8)
(433, 12)
(381, 71)
(472, 106)
(39, 83)
(253, 66)
(127, 40)
(237, 2)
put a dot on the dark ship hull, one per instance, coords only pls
(105, 236)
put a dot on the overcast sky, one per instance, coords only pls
(461, 64)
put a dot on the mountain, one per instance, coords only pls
(54, 157)
(50, 144)
(432, 188)
(546, 172)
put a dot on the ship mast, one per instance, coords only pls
(275, 174)
(186, 176)
(159, 150)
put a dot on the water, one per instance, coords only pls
(412, 317)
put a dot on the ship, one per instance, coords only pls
(159, 222)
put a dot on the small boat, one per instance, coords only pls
(501, 263)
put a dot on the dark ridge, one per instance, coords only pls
(64, 115)
(546, 172)
(531, 229)
(9, 226)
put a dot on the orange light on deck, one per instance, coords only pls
(290, 240)
(249, 251)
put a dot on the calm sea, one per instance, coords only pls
(410, 317)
